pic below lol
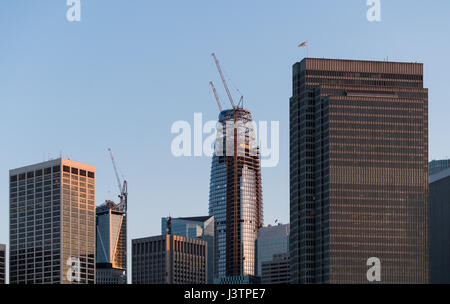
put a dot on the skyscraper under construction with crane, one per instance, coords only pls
(111, 243)
(235, 198)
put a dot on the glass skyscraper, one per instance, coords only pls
(111, 245)
(235, 198)
(52, 223)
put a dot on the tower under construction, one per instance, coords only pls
(235, 198)
(111, 243)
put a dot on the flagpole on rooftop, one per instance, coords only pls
(303, 44)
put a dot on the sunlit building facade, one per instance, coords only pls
(235, 198)
(197, 227)
(111, 245)
(52, 223)
(358, 171)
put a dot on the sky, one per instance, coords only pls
(128, 70)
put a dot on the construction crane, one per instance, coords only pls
(223, 80)
(215, 95)
(123, 187)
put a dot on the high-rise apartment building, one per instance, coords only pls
(198, 227)
(235, 197)
(440, 227)
(169, 259)
(52, 223)
(271, 240)
(358, 171)
(2, 264)
(277, 270)
(111, 245)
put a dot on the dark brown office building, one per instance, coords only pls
(358, 171)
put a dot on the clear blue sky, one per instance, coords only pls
(129, 69)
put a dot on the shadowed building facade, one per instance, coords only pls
(2, 264)
(440, 227)
(277, 270)
(52, 223)
(235, 197)
(271, 240)
(436, 166)
(358, 171)
(169, 259)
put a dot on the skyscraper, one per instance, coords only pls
(235, 197)
(52, 223)
(198, 227)
(271, 240)
(169, 259)
(358, 171)
(2, 264)
(111, 245)
(440, 227)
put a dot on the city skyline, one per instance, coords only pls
(62, 78)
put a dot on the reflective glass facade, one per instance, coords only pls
(111, 245)
(52, 223)
(235, 198)
(358, 171)
(271, 240)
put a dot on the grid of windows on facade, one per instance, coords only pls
(276, 271)
(359, 149)
(169, 259)
(78, 190)
(148, 261)
(50, 224)
(2, 264)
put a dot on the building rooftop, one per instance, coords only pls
(439, 175)
(196, 218)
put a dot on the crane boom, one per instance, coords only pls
(223, 80)
(115, 170)
(123, 189)
(215, 95)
